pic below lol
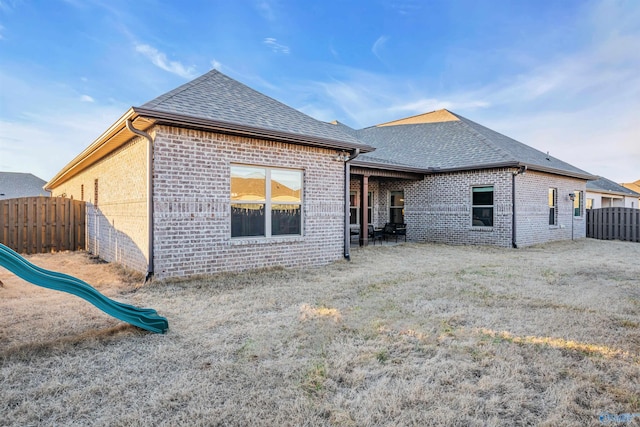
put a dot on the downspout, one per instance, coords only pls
(347, 178)
(138, 132)
(521, 170)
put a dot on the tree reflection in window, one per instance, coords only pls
(265, 201)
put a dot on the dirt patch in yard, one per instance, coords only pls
(30, 313)
(404, 335)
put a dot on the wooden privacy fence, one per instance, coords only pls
(42, 224)
(614, 224)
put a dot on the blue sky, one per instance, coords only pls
(561, 76)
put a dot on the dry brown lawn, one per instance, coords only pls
(405, 335)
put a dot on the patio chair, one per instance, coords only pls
(394, 230)
(375, 234)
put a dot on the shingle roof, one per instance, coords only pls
(17, 184)
(455, 142)
(215, 96)
(606, 185)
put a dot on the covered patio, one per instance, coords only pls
(376, 204)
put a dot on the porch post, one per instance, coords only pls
(364, 210)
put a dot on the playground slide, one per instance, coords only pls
(145, 318)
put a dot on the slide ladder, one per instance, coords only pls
(145, 318)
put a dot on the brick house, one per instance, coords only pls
(463, 184)
(214, 176)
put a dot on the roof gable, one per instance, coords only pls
(437, 116)
(633, 186)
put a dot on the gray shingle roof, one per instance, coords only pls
(455, 144)
(215, 96)
(606, 185)
(17, 184)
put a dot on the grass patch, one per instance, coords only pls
(403, 335)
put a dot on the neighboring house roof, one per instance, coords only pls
(444, 141)
(604, 185)
(17, 184)
(634, 186)
(215, 102)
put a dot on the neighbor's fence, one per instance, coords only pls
(614, 224)
(42, 224)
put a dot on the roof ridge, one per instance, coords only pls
(183, 87)
(491, 144)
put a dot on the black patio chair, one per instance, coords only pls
(375, 234)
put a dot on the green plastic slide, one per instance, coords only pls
(145, 318)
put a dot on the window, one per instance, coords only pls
(553, 206)
(354, 208)
(482, 206)
(265, 201)
(396, 207)
(577, 203)
(589, 204)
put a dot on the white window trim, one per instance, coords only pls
(396, 206)
(555, 207)
(493, 207)
(357, 207)
(268, 204)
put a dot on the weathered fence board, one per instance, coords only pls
(42, 224)
(614, 224)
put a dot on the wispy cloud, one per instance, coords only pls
(266, 10)
(216, 65)
(87, 98)
(581, 106)
(404, 7)
(378, 46)
(424, 105)
(1, 31)
(159, 59)
(275, 46)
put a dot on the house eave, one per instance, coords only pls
(117, 135)
(390, 167)
(111, 139)
(198, 123)
(515, 164)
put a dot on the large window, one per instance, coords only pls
(482, 206)
(396, 207)
(265, 201)
(553, 206)
(577, 203)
